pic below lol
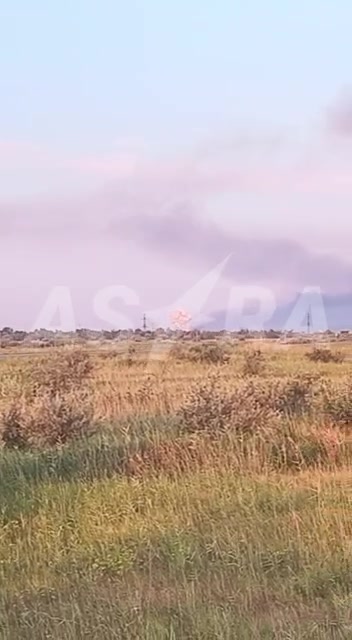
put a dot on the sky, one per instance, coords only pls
(144, 143)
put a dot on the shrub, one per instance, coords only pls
(295, 396)
(61, 372)
(337, 402)
(13, 434)
(54, 405)
(211, 409)
(322, 354)
(47, 421)
(252, 405)
(210, 354)
(254, 363)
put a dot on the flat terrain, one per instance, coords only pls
(185, 493)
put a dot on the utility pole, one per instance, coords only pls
(144, 322)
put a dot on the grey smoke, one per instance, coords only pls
(180, 235)
(339, 116)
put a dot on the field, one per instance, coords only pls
(196, 491)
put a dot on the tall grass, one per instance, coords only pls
(207, 555)
(209, 502)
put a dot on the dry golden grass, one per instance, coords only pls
(212, 502)
(115, 385)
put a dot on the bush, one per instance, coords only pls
(322, 354)
(55, 404)
(47, 421)
(13, 434)
(211, 409)
(337, 402)
(295, 396)
(251, 406)
(61, 372)
(254, 363)
(210, 354)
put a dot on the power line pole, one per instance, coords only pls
(144, 322)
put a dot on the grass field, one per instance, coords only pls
(191, 496)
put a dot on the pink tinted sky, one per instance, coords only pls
(188, 155)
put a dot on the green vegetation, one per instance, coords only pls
(196, 500)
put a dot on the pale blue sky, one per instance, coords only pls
(83, 74)
(239, 112)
